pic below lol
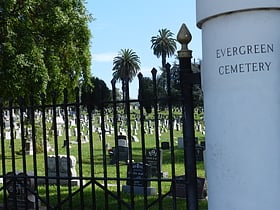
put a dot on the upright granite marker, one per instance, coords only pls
(240, 80)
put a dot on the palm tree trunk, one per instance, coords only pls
(163, 60)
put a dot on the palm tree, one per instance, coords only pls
(126, 66)
(163, 45)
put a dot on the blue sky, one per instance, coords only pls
(130, 24)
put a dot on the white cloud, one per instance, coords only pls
(104, 57)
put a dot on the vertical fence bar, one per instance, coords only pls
(91, 147)
(80, 159)
(104, 154)
(34, 143)
(57, 167)
(12, 142)
(115, 121)
(44, 127)
(23, 146)
(130, 155)
(142, 119)
(67, 147)
(23, 140)
(3, 152)
(155, 105)
(171, 128)
(185, 55)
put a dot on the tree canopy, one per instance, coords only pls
(126, 65)
(163, 45)
(96, 96)
(44, 47)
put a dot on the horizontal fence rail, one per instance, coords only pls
(119, 154)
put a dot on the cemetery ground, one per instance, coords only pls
(100, 165)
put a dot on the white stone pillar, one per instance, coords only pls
(241, 85)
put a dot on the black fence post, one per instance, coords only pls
(185, 55)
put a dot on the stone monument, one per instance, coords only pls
(240, 81)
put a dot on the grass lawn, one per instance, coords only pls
(97, 166)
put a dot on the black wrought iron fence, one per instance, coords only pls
(119, 154)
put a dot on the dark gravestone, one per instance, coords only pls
(165, 145)
(180, 190)
(137, 175)
(154, 159)
(121, 151)
(196, 140)
(199, 153)
(19, 186)
(202, 143)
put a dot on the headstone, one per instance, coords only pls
(85, 139)
(59, 131)
(196, 140)
(64, 171)
(75, 132)
(199, 153)
(151, 130)
(134, 139)
(20, 187)
(72, 122)
(181, 187)
(122, 141)
(134, 131)
(154, 159)
(8, 135)
(121, 151)
(69, 132)
(174, 124)
(137, 174)
(29, 147)
(165, 145)
(49, 147)
(7, 124)
(111, 131)
(17, 133)
(59, 120)
(136, 124)
(203, 145)
(180, 143)
(178, 126)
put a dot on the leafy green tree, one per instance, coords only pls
(97, 95)
(147, 94)
(44, 47)
(126, 65)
